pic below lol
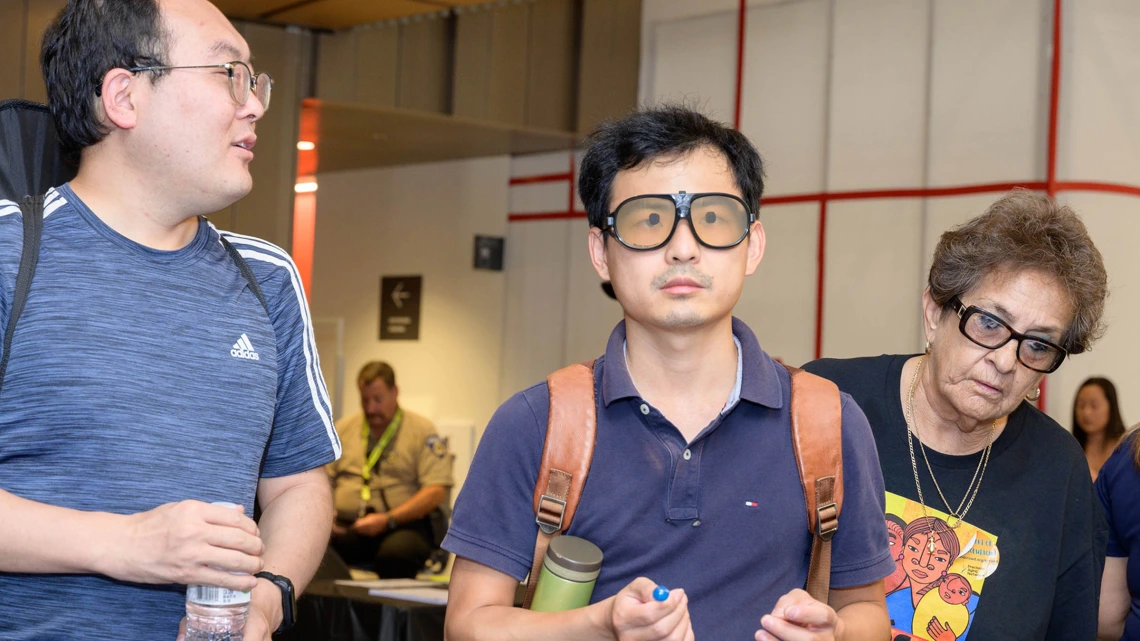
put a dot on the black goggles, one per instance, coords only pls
(648, 222)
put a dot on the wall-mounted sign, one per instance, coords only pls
(400, 298)
(489, 253)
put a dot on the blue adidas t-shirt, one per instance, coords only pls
(139, 377)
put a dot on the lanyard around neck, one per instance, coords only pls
(374, 455)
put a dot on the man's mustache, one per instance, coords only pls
(682, 272)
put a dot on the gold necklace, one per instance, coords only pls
(956, 516)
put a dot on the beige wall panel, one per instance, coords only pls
(472, 64)
(778, 301)
(267, 212)
(425, 66)
(1113, 222)
(874, 280)
(40, 13)
(11, 48)
(878, 94)
(506, 97)
(377, 53)
(553, 65)
(418, 219)
(336, 66)
(609, 60)
(590, 314)
(989, 91)
(536, 302)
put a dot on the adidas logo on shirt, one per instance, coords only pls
(244, 349)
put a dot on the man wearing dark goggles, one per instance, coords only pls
(648, 222)
(693, 481)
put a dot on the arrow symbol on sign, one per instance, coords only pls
(399, 295)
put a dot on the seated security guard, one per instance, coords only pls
(392, 481)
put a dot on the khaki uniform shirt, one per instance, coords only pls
(416, 457)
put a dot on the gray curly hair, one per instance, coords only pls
(1026, 230)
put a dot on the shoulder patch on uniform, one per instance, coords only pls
(437, 445)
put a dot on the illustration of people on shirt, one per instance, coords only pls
(942, 571)
(895, 528)
(942, 607)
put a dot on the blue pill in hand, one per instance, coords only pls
(660, 593)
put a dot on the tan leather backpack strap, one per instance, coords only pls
(571, 431)
(817, 437)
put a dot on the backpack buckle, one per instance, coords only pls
(550, 513)
(826, 520)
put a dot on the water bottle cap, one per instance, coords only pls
(574, 558)
(210, 595)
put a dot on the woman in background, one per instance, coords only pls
(1118, 488)
(1096, 421)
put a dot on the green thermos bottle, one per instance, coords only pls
(568, 574)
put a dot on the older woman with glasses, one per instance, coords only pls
(1010, 294)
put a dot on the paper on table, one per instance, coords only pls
(388, 584)
(436, 596)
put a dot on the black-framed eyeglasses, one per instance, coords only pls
(242, 80)
(991, 332)
(648, 222)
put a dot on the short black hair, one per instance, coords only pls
(661, 132)
(87, 39)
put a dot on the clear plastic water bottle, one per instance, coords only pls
(214, 613)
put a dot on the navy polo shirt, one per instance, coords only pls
(722, 517)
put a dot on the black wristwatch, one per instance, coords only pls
(288, 599)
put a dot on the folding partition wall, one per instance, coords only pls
(883, 123)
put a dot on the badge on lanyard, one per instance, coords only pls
(374, 458)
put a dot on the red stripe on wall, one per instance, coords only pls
(741, 14)
(543, 178)
(821, 272)
(890, 194)
(304, 237)
(1054, 114)
(546, 215)
(1054, 103)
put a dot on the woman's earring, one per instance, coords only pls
(1035, 395)
(927, 347)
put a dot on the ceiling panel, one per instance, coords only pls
(336, 14)
(342, 14)
(250, 8)
(352, 136)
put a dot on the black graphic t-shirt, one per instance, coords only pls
(1027, 561)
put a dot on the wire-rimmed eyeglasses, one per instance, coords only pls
(242, 80)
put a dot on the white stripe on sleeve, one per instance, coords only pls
(308, 343)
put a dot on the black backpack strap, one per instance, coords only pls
(245, 270)
(32, 211)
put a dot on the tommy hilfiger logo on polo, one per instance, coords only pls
(244, 349)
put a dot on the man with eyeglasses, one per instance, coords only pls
(159, 365)
(694, 482)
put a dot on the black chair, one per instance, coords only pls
(31, 158)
